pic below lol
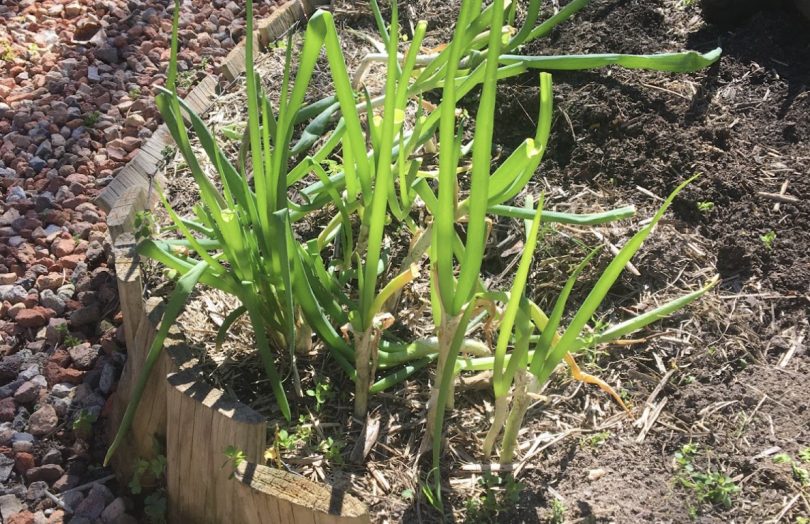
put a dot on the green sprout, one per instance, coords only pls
(91, 119)
(83, 424)
(235, 458)
(768, 239)
(557, 512)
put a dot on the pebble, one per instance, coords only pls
(49, 473)
(94, 504)
(43, 421)
(28, 392)
(83, 355)
(53, 456)
(62, 390)
(10, 505)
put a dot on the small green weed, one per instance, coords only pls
(711, 486)
(145, 225)
(557, 512)
(83, 425)
(431, 496)
(714, 486)
(705, 207)
(155, 468)
(801, 475)
(8, 53)
(91, 119)
(134, 93)
(594, 441)
(168, 152)
(155, 507)
(331, 450)
(768, 239)
(235, 457)
(70, 340)
(322, 393)
(500, 493)
(304, 428)
(287, 440)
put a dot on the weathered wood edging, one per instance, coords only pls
(196, 421)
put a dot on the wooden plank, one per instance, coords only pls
(130, 284)
(202, 423)
(280, 21)
(201, 96)
(121, 219)
(151, 155)
(138, 442)
(234, 64)
(280, 496)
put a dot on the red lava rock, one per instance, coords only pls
(116, 153)
(24, 517)
(23, 462)
(60, 357)
(7, 409)
(71, 261)
(63, 247)
(54, 374)
(34, 317)
(31, 301)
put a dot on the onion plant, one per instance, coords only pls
(241, 241)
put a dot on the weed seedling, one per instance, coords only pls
(145, 225)
(500, 494)
(155, 507)
(83, 425)
(91, 119)
(705, 207)
(155, 467)
(8, 53)
(768, 239)
(557, 512)
(322, 393)
(594, 441)
(714, 487)
(331, 449)
(235, 457)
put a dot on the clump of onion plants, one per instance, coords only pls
(337, 285)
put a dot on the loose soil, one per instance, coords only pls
(727, 375)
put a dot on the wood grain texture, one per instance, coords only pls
(281, 20)
(121, 219)
(130, 285)
(138, 441)
(202, 423)
(269, 495)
